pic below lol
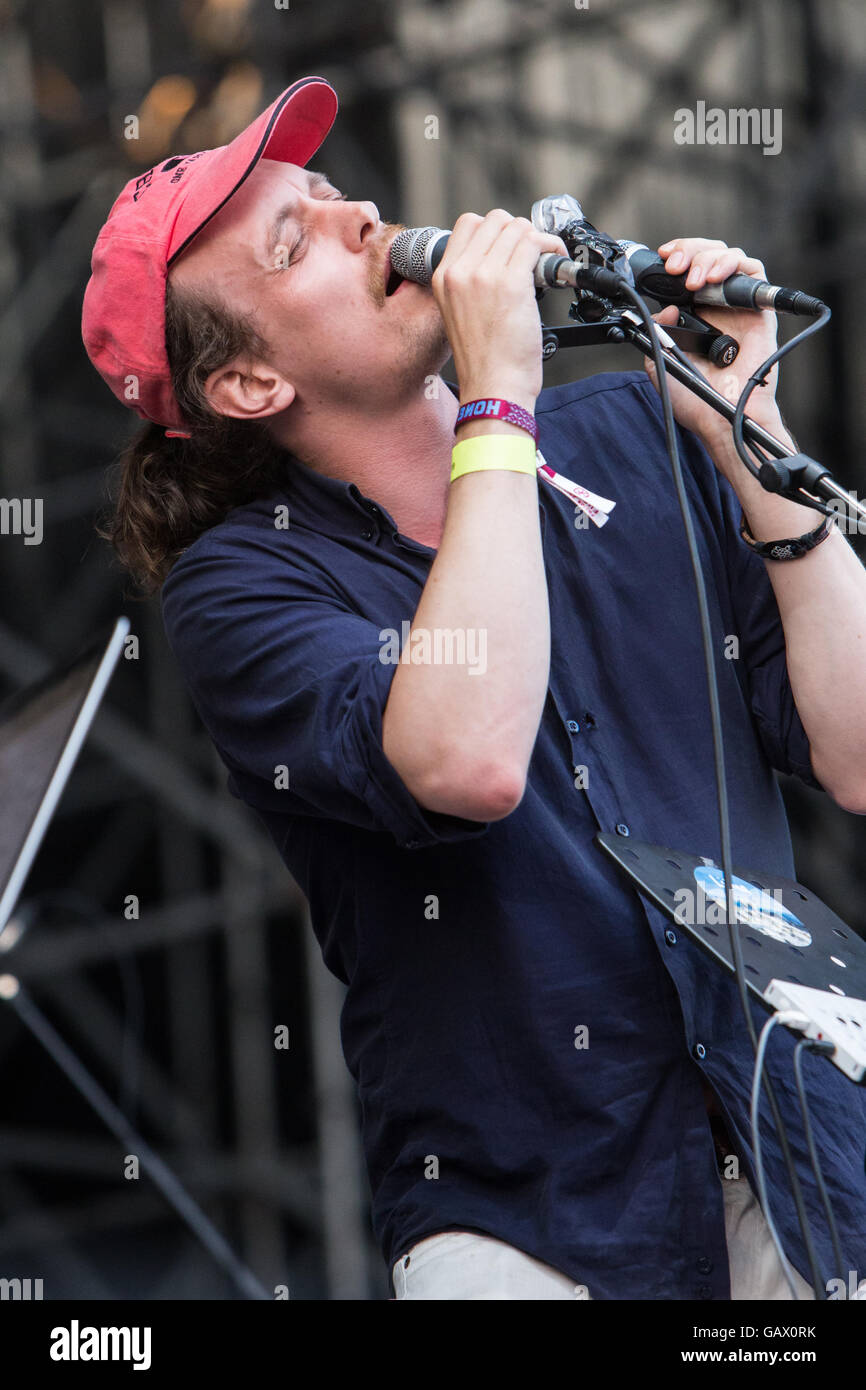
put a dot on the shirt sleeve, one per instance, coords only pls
(290, 685)
(762, 647)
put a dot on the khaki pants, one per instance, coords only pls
(464, 1265)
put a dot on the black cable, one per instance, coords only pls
(813, 1152)
(757, 379)
(719, 754)
(809, 1043)
(755, 1116)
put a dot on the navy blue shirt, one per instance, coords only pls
(474, 953)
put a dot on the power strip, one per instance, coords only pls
(831, 1018)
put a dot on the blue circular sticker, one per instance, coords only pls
(754, 907)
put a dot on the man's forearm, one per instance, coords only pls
(822, 604)
(462, 739)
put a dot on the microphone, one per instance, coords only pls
(736, 292)
(416, 252)
(563, 216)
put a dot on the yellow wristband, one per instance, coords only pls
(489, 451)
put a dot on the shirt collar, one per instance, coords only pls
(334, 504)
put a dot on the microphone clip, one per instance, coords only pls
(596, 309)
(598, 321)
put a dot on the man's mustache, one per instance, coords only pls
(378, 265)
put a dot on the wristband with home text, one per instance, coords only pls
(493, 451)
(789, 549)
(494, 409)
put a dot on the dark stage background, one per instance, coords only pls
(445, 107)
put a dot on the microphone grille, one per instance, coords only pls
(409, 253)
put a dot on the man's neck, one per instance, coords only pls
(402, 460)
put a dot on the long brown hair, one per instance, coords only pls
(166, 492)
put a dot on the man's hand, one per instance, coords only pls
(709, 262)
(485, 290)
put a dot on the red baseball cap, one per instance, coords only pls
(153, 221)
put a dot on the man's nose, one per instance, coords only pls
(358, 222)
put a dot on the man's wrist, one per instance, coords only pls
(774, 518)
(718, 439)
(501, 391)
(769, 515)
(719, 444)
(477, 425)
(472, 428)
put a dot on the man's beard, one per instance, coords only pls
(425, 342)
(427, 345)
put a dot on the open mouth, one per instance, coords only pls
(393, 279)
(393, 283)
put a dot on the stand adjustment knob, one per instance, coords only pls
(723, 350)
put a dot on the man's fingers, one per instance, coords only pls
(703, 261)
(496, 239)
(716, 263)
(526, 253)
(481, 234)
(508, 238)
(520, 242)
(461, 234)
(679, 253)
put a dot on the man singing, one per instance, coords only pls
(554, 1083)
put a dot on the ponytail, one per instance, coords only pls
(166, 492)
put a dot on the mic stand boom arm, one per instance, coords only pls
(795, 476)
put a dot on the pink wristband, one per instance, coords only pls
(494, 409)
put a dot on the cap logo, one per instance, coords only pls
(141, 184)
(180, 164)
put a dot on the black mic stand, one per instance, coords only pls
(796, 475)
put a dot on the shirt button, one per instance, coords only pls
(705, 1291)
(671, 937)
(700, 1051)
(572, 726)
(622, 829)
(704, 1266)
(366, 535)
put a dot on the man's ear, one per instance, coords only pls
(248, 390)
